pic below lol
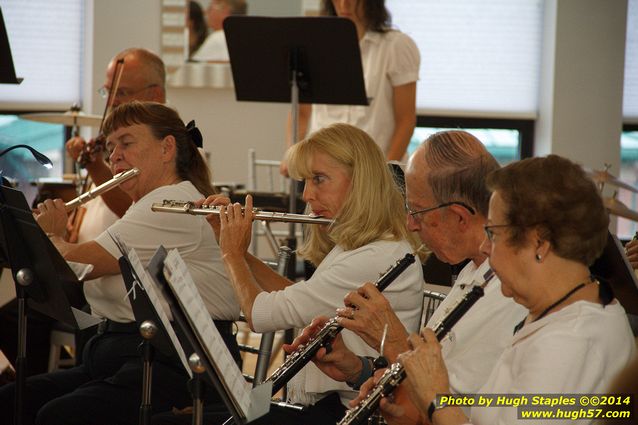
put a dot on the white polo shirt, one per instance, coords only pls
(476, 342)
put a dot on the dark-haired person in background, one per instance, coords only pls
(197, 28)
(390, 61)
(214, 48)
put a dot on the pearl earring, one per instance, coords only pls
(538, 258)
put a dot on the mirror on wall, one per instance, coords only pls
(191, 48)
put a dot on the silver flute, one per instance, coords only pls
(302, 355)
(395, 374)
(117, 179)
(187, 207)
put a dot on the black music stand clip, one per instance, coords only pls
(319, 56)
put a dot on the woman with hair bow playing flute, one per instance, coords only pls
(106, 388)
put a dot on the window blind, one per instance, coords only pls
(46, 42)
(477, 58)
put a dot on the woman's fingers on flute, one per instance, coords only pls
(214, 200)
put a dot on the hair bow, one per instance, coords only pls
(196, 135)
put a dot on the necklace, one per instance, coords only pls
(548, 309)
(563, 298)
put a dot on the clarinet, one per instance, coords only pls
(395, 374)
(302, 355)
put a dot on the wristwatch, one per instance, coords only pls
(434, 406)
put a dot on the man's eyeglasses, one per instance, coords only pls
(490, 233)
(122, 92)
(414, 214)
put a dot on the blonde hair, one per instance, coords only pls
(373, 209)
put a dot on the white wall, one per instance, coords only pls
(230, 128)
(580, 114)
(112, 26)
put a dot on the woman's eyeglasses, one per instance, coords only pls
(490, 233)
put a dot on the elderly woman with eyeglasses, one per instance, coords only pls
(546, 226)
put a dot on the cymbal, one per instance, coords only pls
(604, 177)
(616, 207)
(68, 118)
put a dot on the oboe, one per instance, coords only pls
(395, 374)
(300, 357)
(182, 207)
(104, 187)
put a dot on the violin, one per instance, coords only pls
(99, 142)
(88, 155)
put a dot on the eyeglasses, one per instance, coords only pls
(122, 92)
(414, 214)
(490, 233)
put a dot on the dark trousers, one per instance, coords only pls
(327, 411)
(38, 337)
(104, 390)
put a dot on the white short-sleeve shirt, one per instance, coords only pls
(477, 340)
(578, 349)
(145, 230)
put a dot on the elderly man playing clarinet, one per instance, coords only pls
(546, 226)
(447, 207)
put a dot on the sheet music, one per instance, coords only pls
(181, 282)
(160, 305)
(81, 270)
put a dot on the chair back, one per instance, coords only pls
(431, 301)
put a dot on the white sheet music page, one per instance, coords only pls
(181, 282)
(160, 305)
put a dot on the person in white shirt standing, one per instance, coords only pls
(390, 61)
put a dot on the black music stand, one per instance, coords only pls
(154, 330)
(7, 71)
(614, 267)
(42, 277)
(307, 60)
(200, 361)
